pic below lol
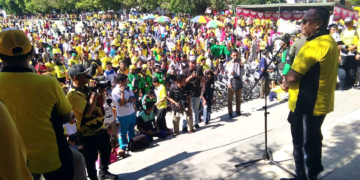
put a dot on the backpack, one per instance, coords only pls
(137, 143)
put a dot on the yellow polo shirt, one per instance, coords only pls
(30, 99)
(317, 61)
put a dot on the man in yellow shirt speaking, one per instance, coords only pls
(311, 83)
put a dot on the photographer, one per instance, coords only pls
(124, 99)
(179, 96)
(87, 104)
(194, 76)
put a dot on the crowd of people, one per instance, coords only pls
(100, 87)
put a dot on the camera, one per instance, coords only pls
(183, 105)
(100, 83)
(344, 49)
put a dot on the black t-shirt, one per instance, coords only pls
(195, 82)
(178, 94)
(209, 89)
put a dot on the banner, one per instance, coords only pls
(288, 27)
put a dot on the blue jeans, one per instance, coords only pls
(272, 96)
(207, 111)
(162, 134)
(195, 103)
(127, 125)
(342, 78)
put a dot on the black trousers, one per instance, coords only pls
(92, 146)
(161, 121)
(350, 65)
(307, 142)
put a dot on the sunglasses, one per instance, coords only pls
(305, 21)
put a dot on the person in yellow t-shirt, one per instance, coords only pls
(104, 60)
(101, 52)
(50, 65)
(13, 164)
(161, 103)
(117, 59)
(204, 64)
(262, 45)
(73, 60)
(37, 125)
(60, 71)
(186, 49)
(135, 58)
(202, 55)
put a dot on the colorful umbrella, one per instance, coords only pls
(200, 19)
(162, 19)
(214, 24)
(150, 17)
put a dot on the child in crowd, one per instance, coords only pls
(278, 93)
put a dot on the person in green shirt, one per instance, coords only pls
(133, 83)
(145, 82)
(149, 97)
(286, 60)
(216, 49)
(159, 74)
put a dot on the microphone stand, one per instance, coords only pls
(267, 154)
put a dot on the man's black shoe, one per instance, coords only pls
(196, 126)
(238, 114)
(289, 179)
(107, 176)
(185, 130)
(230, 116)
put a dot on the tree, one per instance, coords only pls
(186, 6)
(13, 6)
(354, 2)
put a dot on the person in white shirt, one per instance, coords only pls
(174, 65)
(123, 99)
(235, 82)
(109, 73)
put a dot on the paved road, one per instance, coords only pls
(212, 151)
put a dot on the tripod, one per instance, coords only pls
(267, 154)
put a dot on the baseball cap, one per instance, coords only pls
(192, 58)
(348, 20)
(78, 69)
(14, 42)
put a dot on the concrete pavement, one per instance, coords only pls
(213, 150)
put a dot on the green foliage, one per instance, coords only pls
(13, 6)
(175, 6)
(187, 6)
(261, 1)
(355, 2)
